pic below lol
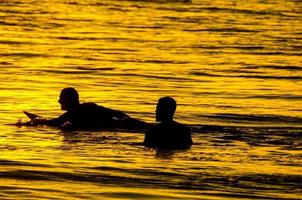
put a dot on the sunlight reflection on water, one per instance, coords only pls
(226, 63)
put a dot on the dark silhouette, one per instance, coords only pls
(88, 115)
(167, 134)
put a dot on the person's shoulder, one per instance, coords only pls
(175, 123)
(179, 125)
(87, 108)
(93, 105)
(154, 127)
(169, 128)
(88, 105)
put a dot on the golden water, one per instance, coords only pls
(234, 64)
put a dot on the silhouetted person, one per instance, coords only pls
(167, 134)
(86, 115)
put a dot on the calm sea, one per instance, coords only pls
(230, 64)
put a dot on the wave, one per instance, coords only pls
(229, 30)
(277, 67)
(201, 8)
(280, 96)
(259, 118)
(164, 77)
(147, 178)
(160, 1)
(275, 53)
(55, 71)
(271, 77)
(96, 68)
(285, 138)
(236, 185)
(11, 42)
(195, 73)
(24, 54)
(244, 11)
(4, 162)
(244, 47)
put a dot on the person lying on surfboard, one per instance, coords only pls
(86, 115)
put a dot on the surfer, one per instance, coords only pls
(167, 134)
(87, 115)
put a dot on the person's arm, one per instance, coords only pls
(56, 122)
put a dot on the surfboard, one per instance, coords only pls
(31, 115)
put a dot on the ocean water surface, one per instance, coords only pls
(234, 67)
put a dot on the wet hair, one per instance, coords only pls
(166, 107)
(71, 94)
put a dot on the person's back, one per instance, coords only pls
(90, 115)
(82, 115)
(168, 134)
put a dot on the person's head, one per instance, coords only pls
(165, 109)
(69, 98)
